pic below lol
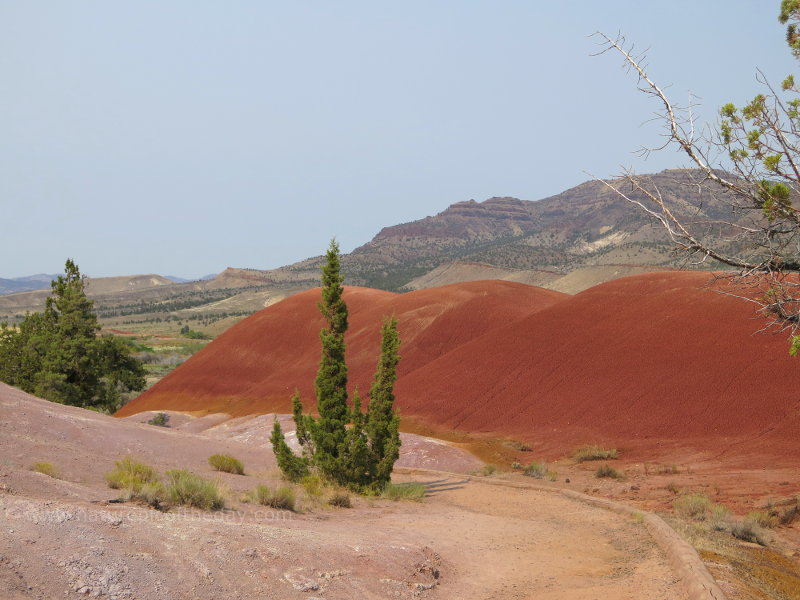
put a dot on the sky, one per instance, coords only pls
(183, 137)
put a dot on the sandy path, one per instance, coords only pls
(471, 539)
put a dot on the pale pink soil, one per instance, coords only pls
(60, 538)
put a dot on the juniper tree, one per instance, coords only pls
(329, 432)
(346, 445)
(382, 421)
(58, 355)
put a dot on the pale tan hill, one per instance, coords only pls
(459, 272)
(588, 277)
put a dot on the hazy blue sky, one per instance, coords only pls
(184, 137)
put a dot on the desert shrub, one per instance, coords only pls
(693, 506)
(130, 475)
(789, 514)
(312, 485)
(340, 499)
(516, 465)
(160, 420)
(607, 471)
(186, 488)
(748, 531)
(488, 469)
(552, 475)
(720, 518)
(594, 452)
(226, 463)
(765, 519)
(519, 446)
(672, 487)
(667, 469)
(45, 468)
(535, 469)
(404, 491)
(282, 498)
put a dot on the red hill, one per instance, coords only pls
(255, 366)
(656, 360)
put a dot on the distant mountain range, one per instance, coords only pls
(568, 242)
(24, 284)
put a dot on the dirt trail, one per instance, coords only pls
(468, 539)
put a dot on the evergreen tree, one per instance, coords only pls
(58, 355)
(346, 445)
(293, 467)
(382, 421)
(329, 433)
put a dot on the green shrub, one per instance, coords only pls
(130, 475)
(535, 469)
(552, 475)
(282, 498)
(160, 420)
(693, 506)
(404, 491)
(607, 471)
(340, 499)
(488, 469)
(226, 464)
(594, 452)
(45, 468)
(186, 488)
(516, 465)
(312, 485)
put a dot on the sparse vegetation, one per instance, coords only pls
(516, 465)
(720, 518)
(672, 487)
(488, 469)
(693, 506)
(45, 468)
(764, 518)
(552, 476)
(188, 489)
(404, 491)
(607, 471)
(749, 531)
(594, 452)
(671, 469)
(130, 475)
(160, 420)
(281, 498)
(312, 485)
(341, 499)
(226, 464)
(535, 469)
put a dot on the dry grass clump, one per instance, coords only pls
(594, 452)
(404, 491)
(45, 468)
(282, 498)
(187, 489)
(749, 531)
(536, 469)
(130, 475)
(340, 499)
(488, 469)
(607, 471)
(226, 464)
(764, 518)
(693, 506)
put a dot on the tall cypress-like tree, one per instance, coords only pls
(346, 445)
(382, 421)
(329, 432)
